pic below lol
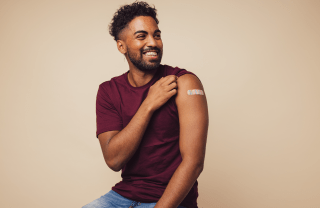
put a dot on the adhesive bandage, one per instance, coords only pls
(195, 92)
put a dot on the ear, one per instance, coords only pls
(122, 47)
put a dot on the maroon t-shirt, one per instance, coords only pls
(147, 173)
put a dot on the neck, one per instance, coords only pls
(138, 78)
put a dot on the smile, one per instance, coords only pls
(152, 53)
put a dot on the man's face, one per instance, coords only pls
(144, 44)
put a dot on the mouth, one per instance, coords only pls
(151, 53)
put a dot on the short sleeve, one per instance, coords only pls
(176, 71)
(181, 72)
(108, 118)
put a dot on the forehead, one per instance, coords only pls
(145, 23)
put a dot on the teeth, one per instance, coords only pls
(151, 53)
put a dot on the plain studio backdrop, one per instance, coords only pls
(259, 62)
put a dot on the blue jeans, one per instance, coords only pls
(114, 200)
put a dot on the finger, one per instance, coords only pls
(172, 85)
(172, 92)
(169, 79)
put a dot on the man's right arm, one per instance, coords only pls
(119, 146)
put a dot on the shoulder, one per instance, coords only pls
(189, 81)
(191, 99)
(189, 84)
(108, 85)
(106, 89)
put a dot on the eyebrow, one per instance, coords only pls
(145, 32)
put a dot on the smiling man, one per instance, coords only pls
(152, 121)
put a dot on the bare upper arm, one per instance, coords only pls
(193, 118)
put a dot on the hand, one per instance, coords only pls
(161, 91)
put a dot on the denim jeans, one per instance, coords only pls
(114, 200)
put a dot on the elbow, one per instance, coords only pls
(199, 167)
(112, 162)
(115, 169)
(195, 165)
(113, 165)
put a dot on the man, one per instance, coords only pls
(152, 121)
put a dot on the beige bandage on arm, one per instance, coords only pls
(195, 92)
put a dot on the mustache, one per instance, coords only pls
(150, 49)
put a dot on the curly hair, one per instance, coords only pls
(128, 12)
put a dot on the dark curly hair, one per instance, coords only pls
(128, 12)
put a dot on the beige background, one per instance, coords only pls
(259, 62)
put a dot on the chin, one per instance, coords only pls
(147, 66)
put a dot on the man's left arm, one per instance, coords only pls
(193, 118)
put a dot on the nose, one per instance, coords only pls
(151, 41)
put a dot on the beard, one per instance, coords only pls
(142, 64)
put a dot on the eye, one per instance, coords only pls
(158, 36)
(141, 36)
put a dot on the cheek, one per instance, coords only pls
(160, 44)
(137, 44)
(137, 48)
